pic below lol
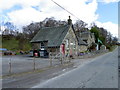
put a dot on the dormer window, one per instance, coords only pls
(85, 41)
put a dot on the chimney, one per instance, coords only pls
(69, 21)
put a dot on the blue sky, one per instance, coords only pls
(108, 12)
(22, 12)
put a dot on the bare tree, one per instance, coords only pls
(51, 22)
(31, 30)
(80, 25)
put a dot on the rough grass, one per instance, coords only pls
(112, 48)
(10, 44)
(13, 44)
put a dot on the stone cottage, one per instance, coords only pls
(86, 36)
(59, 39)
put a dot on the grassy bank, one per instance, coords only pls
(113, 48)
(14, 44)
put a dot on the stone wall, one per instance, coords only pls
(35, 45)
(82, 48)
(53, 50)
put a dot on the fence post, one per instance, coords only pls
(50, 55)
(69, 58)
(61, 60)
(10, 66)
(34, 63)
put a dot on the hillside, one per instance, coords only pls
(14, 43)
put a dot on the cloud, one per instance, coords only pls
(109, 26)
(85, 12)
(110, 1)
(7, 4)
(38, 10)
(24, 16)
(46, 8)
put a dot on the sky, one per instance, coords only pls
(104, 13)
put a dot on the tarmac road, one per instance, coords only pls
(100, 73)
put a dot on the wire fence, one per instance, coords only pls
(19, 64)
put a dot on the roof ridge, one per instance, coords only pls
(54, 27)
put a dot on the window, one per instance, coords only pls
(74, 45)
(85, 41)
(42, 45)
(67, 43)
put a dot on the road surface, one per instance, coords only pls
(23, 63)
(102, 72)
(99, 72)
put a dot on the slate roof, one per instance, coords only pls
(54, 35)
(85, 35)
(81, 42)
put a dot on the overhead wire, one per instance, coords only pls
(65, 10)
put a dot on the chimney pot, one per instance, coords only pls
(69, 21)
